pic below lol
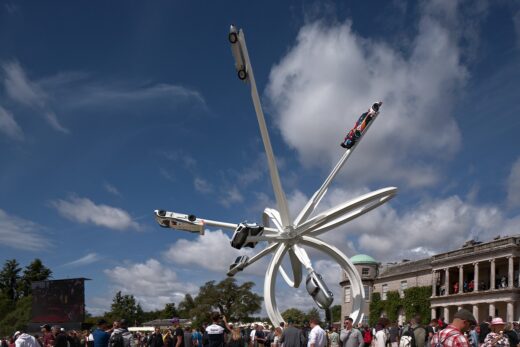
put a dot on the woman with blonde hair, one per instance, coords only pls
(277, 335)
(236, 338)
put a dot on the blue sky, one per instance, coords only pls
(109, 110)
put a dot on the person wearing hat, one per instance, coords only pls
(60, 339)
(496, 337)
(453, 334)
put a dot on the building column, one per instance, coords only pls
(475, 277)
(447, 281)
(519, 274)
(510, 278)
(434, 313)
(434, 283)
(475, 312)
(492, 276)
(446, 314)
(491, 310)
(510, 309)
(461, 278)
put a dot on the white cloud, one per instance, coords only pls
(513, 185)
(21, 233)
(8, 125)
(86, 260)
(213, 252)
(332, 75)
(231, 195)
(112, 189)
(28, 93)
(202, 186)
(152, 284)
(85, 211)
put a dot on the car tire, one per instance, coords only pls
(233, 38)
(242, 74)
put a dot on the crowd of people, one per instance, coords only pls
(463, 331)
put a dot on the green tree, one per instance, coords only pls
(313, 313)
(33, 272)
(10, 279)
(336, 313)
(169, 311)
(125, 306)
(17, 318)
(186, 306)
(236, 302)
(294, 314)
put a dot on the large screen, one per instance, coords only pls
(58, 301)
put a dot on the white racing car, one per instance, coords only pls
(238, 265)
(242, 232)
(179, 221)
(318, 290)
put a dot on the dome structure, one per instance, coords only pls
(363, 259)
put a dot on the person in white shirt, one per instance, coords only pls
(24, 340)
(317, 336)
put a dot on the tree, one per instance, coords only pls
(236, 302)
(10, 278)
(169, 311)
(294, 314)
(33, 272)
(185, 306)
(125, 306)
(336, 313)
(313, 313)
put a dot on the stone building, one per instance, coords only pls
(481, 277)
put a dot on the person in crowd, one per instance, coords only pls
(22, 339)
(168, 339)
(188, 337)
(317, 336)
(381, 335)
(511, 335)
(155, 339)
(516, 328)
(60, 339)
(334, 338)
(291, 336)
(496, 337)
(259, 336)
(47, 337)
(120, 333)
(178, 333)
(349, 336)
(441, 324)
(431, 329)
(485, 328)
(252, 334)
(367, 335)
(216, 331)
(473, 336)
(419, 332)
(393, 332)
(453, 334)
(277, 334)
(236, 339)
(196, 338)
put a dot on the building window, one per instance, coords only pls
(365, 271)
(383, 292)
(347, 294)
(404, 285)
(367, 292)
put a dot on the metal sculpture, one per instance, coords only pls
(286, 236)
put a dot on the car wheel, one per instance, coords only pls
(242, 74)
(233, 37)
(192, 218)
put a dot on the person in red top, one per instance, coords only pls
(453, 335)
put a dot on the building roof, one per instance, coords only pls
(406, 267)
(363, 259)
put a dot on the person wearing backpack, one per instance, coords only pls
(453, 334)
(121, 337)
(420, 335)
